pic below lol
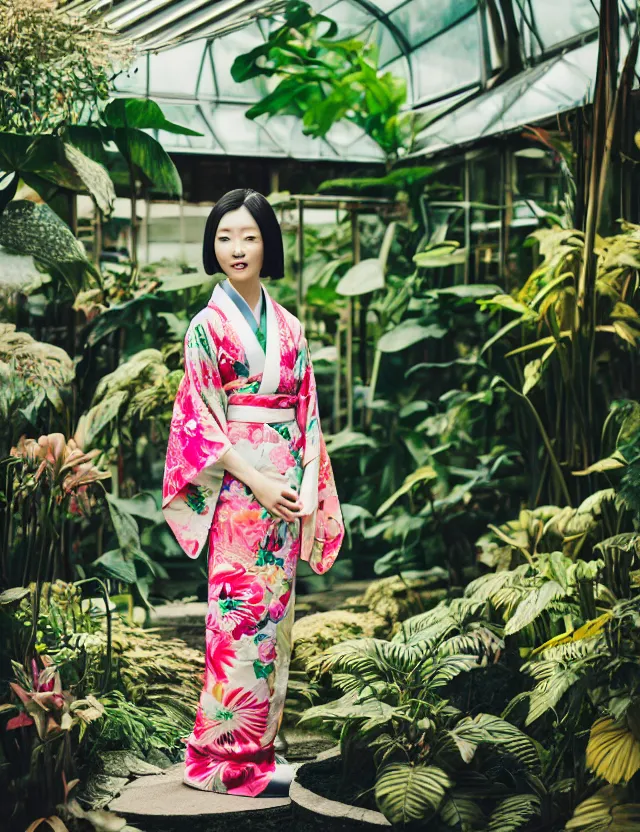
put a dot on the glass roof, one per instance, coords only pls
(447, 50)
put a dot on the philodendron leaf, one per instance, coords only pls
(364, 277)
(143, 114)
(150, 157)
(29, 228)
(95, 178)
(407, 334)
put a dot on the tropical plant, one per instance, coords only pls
(432, 762)
(47, 487)
(116, 683)
(325, 79)
(35, 385)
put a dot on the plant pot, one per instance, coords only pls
(314, 811)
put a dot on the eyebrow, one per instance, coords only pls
(246, 228)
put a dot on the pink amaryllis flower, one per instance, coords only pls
(219, 652)
(236, 600)
(237, 719)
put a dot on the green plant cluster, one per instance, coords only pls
(514, 706)
(96, 684)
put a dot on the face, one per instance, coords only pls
(238, 246)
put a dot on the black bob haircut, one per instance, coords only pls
(265, 217)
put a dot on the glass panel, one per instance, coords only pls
(556, 22)
(350, 17)
(419, 20)
(387, 44)
(239, 135)
(188, 116)
(175, 71)
(555, 86)
(286, 132)
(350, 142)
(206, 86)
(224, 51)
(135, 79)
(448, 62)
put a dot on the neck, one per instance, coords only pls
(250, 290)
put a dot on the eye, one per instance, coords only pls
(250, 237)
(223, 238)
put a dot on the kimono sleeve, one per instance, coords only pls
(322, 529)
(198, 439)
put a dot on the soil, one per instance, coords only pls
(328, 779)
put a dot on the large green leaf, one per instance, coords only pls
(471, 291)
(125, 527)
(179, 282)
(117, 566)
(29, 228)
(608, 810)
(397, 179)
(94, 421)
(407, 334)
(406, 793)
(142, 113)
(348, 440)
(150, 157)
(94, 177)
(89, 140)
(364, 277)
(513, 813)
(425, 473)
(462, 812)
(532, 605)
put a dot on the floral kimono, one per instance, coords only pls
(249, 385)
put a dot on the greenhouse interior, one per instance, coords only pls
(238, 556)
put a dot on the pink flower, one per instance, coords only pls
(238, 719)
(238, 530)
(219, 652)
(236, 600)
(278, 606)
(267, 650)
(244, 773)
(281, 458)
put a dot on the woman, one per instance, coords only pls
(248, 475)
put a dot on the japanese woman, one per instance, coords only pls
(249, 481)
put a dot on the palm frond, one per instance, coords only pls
(606, 811)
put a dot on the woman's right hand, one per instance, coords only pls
(274, 493)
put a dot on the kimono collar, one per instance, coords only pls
(242, 304)
(261, 359)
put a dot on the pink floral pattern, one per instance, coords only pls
(252, 557)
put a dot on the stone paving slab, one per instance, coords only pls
(166, 796)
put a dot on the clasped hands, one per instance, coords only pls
(273, 492)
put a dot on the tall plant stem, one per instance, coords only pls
(547, 442)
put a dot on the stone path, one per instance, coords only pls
(163, 801)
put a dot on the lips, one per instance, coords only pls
(239, 266)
